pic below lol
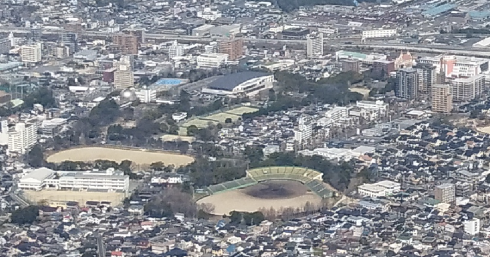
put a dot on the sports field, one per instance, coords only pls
(271, 194)
(202, 122)
(53, 196)
(138, 157)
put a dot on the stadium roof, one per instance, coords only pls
(230, 81)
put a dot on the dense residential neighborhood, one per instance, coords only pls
(244, 128)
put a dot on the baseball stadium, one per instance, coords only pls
(268, 187)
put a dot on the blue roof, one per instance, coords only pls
(478, 14)
(438, 9)
(230, 81)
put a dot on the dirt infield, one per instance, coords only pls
(139, 157)
(53, 197)
(276, 190)
(275, 194)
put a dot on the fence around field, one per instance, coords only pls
(310, 178)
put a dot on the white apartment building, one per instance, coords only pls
(472, 226)
(175, 50)
(377, 33)
(314, 45)
(466, 89)
(22, 137)
(304, 131)
(168, 179)
(31, 53)
(123, 76)
(38, 179)
(379, 189)
(213, 60)
(374, 109)
(337, 113)
(146, 95)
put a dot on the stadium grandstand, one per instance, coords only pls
(310, 178)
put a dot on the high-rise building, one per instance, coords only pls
(232, 47)
(350, 65)
(5, 45)
(472, 226)
(445, 193)
(407, 83)
(427, 75)
(175, 50)
(314, 45)
(31, 53)
(466, 89)
(304, 131)
(69, 39)
(22, 137)
(123, 76)
(127, 43)
(441, 98)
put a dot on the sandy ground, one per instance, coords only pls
(138, 157)
(361, 90)
(58, 198)
(239, 200)
(484, 129)
(169, 137)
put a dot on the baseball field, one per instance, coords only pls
(276, 194)
(139, 157)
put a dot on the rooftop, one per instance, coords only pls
(230, 81)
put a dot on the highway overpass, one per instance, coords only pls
(336, 43)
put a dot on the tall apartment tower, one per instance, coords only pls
(127, 43)
(407, 82)
(22, 137)
(466, 89)
(304, 131)
(175, 50)
(441, 98)
(445, 193)
(31, 53)
(232, 47)
(123, 76)
(314, 45)
(427, 77)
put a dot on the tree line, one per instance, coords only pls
(294, 87)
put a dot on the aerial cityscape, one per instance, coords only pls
(275, 128)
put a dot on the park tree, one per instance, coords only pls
(25, 215)
(35, 157)
(228, 120)
(157, 166)
(192, 130)
(42, 95)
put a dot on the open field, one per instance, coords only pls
(57, 198)
(139, 157)
(484, 129)
(361, 90)
(275, 194)
(220, 117)
(169, 137)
